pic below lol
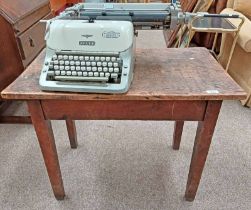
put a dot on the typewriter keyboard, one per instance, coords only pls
(85, 68)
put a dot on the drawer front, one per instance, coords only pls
(31, 42)
(25, 22)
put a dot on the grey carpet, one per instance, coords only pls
(129, 164)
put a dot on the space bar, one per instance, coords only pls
(86, 79)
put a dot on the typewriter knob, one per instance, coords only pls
(136, 33)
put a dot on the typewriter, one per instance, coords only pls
(90, 46)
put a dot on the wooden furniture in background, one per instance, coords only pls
(58, 6)
(184, 35)
(201, 39)
(169, 84)
(240, 66)
(73, 1)
(170, 36)
(207, 39)
(21, 36)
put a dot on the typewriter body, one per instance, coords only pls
(90, 47)
(84, 57)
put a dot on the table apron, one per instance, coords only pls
(124, 110)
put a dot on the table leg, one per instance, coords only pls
(72, 133)
(178, 128)
(202, 142)
(47, 144)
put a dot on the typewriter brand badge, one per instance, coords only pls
(87, 36)
(87, 43)
(111, 34)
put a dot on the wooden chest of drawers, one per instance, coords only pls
(21, 35)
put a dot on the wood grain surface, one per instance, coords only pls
(203, 138)
(10, 60)
(159, 74)
(124, 110)
(47, 144)
(15, 11)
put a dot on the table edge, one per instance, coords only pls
(183, 97)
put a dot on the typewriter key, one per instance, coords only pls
(114, 76)
(54, 57)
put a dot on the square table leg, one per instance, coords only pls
(47, 144)
(178, 128)
(202, 143)
(72, 133)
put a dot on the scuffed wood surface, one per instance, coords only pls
(124, 110)
(160, 74)
(18, 9)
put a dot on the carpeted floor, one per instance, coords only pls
(129, 165)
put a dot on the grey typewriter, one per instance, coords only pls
(90, 46)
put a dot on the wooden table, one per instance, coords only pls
(170, 84)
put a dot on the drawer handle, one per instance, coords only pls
(31, 42)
